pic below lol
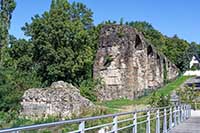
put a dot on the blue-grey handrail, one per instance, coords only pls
(59, 123)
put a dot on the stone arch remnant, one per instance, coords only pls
(136, 65)
(138, 43)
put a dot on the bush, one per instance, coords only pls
(194, 67)
(159, 100)
(88, 89)
(188, 95)
(13, 83)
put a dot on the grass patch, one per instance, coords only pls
(165, 90)
(117, 103)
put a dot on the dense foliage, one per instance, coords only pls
(6, 9)
(63, 43)
(159, 100)
(62, 46)
(189, 95)
(12, 85)
(179, 51)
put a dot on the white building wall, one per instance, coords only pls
(193, 61)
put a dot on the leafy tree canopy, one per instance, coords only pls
(6, 9)
(177, 50)
(63, 42)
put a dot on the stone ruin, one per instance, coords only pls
(60, 99)
(128, 64)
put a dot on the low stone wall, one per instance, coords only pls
(60, 99)
(128, 64)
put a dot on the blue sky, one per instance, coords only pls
(181, 17)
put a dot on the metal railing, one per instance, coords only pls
(150, 120)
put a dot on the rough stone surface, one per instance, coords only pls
(128, 64)
(60, 99)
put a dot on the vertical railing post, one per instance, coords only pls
(157, 121)
(15, 132)
(135, 122)
(114, 129)
(195, 105)
(175, 123)
(188, 112)
(189, 108)
(170, 118)
(82, 127)
(148, 122)
(185, 112)
(179, 113)
(165, 122)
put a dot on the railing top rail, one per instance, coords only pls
(52, 124)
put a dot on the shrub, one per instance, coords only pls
(188, 95)
(194, 67)
(159, 100)
(87, 89)
(13, 83)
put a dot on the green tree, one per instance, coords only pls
(6, 9)
(198, 49)
(64, 42)
(175, 49)
(108, 22)
(150, 33)
(13, 83)
(20, 54)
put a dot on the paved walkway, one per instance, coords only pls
(192, 125)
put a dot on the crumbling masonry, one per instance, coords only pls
(128, 64)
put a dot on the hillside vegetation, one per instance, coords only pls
(148, 100)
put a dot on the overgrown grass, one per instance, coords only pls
(117, 103)
(166, 90)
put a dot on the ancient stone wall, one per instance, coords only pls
(60, 99)
(128, 64)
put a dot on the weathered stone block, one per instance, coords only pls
(60, 99)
